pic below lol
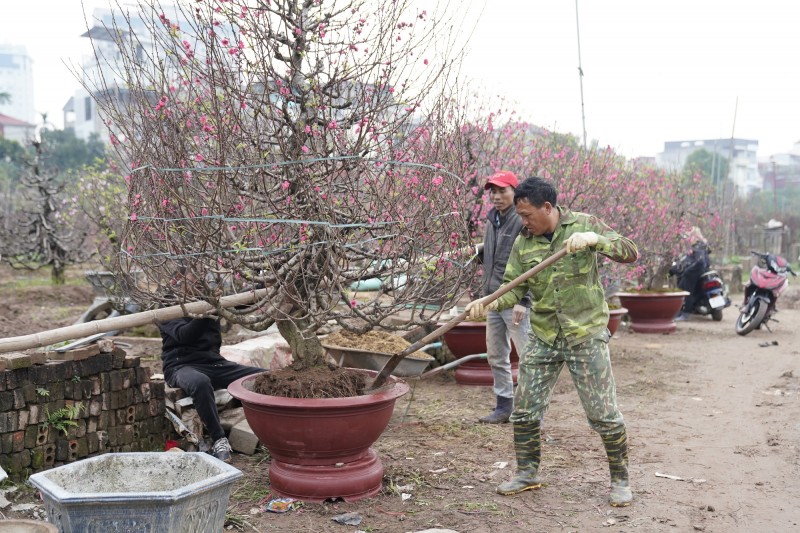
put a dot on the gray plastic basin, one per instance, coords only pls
(138, 492)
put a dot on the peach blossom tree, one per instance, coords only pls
(654, 207)
(295, 146)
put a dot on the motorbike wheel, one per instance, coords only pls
(748, 321)
(716, 314)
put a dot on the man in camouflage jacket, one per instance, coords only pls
(569, 319)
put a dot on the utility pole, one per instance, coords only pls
(580, 75)
(730, 199)
(774, 189)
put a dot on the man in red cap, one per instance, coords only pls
(502, 227)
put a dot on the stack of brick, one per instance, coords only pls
(231, 415)
(121, 409)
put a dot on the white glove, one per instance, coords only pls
(578, 241)
(477, 309)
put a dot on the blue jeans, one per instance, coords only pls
(500, 331)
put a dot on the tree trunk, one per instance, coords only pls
(57, 274)
(306, 352)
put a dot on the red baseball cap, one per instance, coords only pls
(504, 178)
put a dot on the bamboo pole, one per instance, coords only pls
(77, 331)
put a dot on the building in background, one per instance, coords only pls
(13, 129)
(16, 79)
(103, 71)
(102, 67)
(741, 155)
(782, 171)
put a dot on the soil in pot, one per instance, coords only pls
(328, 381)
(331, 381)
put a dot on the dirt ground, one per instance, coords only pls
(713, 422)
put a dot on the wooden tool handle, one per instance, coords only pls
(392, 363)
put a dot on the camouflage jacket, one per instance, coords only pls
(568, 295)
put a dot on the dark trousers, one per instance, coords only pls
(201, 380)
(688, 282)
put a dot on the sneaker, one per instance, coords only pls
(682, 317)
(222, 450)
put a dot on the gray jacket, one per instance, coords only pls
(501, 231)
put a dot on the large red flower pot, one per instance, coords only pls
(652, 312)
(614, 318)
(320, 448)
(468, 338)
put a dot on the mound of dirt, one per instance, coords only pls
(373, 341)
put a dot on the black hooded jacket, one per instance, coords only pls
(190, 341)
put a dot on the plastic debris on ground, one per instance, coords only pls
(348, 519)
(282, 505)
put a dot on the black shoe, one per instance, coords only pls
(222, 450)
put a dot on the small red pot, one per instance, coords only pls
(652, 312)
(468, 338)
(614, 318)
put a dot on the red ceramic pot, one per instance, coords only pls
(320, 448)
(652, 312)
(614, 318)
(468, 338)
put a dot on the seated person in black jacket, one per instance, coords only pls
(192, 362)
(690, 269)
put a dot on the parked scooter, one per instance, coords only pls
(713, 297)
(709, 293)
(768, 279)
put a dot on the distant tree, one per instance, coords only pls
(12, 161)
(102, 197)
(11, 151)
(36, 233)
(67, 152)
(708, 164)
(758, 207)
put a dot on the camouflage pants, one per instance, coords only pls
(589, 364)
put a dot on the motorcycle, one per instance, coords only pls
(713, 299)
(768, 279)
(709, 290)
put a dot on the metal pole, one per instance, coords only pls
(580, 74)
(774, 190)
(732, 200)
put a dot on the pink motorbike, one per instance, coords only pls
(768, 279)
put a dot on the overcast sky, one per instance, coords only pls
(654, 71)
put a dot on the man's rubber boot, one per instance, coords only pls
(616, 446)
(528, 447)
(501, 412)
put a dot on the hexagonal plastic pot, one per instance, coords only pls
(147, 492)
